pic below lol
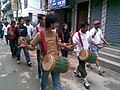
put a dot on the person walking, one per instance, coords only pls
(29, 27)
(1, 30)
(51, 39)
(64, 36)
(12, 38)
(40, 26)
(5, 27)
(82, 41)
(21, 32)
(97, 37)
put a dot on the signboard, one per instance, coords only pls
(56, 3)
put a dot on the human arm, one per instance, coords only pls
(62, 44)
(33, 43)
(105, 41)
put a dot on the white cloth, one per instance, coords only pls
(97, 37)
(29, 30)
(86, 39)
(5, 29)
(35, 32)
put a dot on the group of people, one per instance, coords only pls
(84, 39)
(12, 33)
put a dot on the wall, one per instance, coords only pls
(33, 7)
(112, 32)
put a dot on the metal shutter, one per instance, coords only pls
(112, 32)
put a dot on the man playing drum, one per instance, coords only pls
(82, 39)
(51, 41)
(97, 36)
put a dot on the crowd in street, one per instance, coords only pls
(47, 41)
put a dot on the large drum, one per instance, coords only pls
(55, 63)
(87, 56)
(23, 38)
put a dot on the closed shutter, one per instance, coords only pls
(96, 11)
(112, 33)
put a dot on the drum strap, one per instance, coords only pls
(62, 37)
(80, 39)
(19, 30)
(37, 29)
(43, 40)
(94, 34)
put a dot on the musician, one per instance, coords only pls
(40, 26)
(51, 39)
(12, 39)
(20, 33)
(97, 37)
(64, 36)
(83, 41)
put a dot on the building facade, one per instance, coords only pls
(31, 9)
(13, 9)
(76, 11)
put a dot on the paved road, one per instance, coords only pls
(22, 77)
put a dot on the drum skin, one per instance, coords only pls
(87, 56)
(56, 64)
(23, 38)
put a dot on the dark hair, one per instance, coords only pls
(63, 26)
(41, 16)
(83, 24)
(12, 22)
(50, 19)
(27, 19)
(20, 19)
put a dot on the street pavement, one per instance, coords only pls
(15, 76)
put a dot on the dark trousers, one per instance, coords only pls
(26, 53)
(1, 35)
(81, 68)
(6, 38)
(39, 64)
(64, 53)
(13, 47)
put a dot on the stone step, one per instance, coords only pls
(109, 56)
(111, 51)
(109, 64)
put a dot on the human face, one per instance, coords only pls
(27, 23)
(53, 26)
(42, 21)
(13, 24)
(85, 29)
(21, 21)
(65, 27)
(97, 26)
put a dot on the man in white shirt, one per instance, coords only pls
(29, 28)
(86, 39)
(5, 27)
(97, 36)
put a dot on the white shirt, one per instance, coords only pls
(29, 30)
(5, 29)
(86, 39)
(35, 31)
(97, 37)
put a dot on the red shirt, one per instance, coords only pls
(11, 35)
